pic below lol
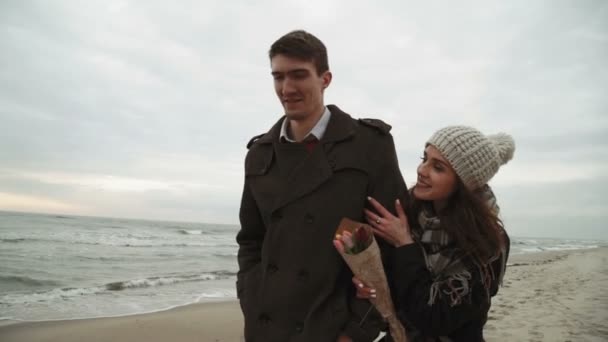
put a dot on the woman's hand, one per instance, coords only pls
(395, 230)
(344, 338)
(363, 291)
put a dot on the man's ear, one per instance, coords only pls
(326, 78)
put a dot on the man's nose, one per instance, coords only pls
(288, 87)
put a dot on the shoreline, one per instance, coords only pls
(4, 321)
(209, 321)
(549, 295)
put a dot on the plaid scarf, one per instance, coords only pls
(446, 262)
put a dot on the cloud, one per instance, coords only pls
(142, 109)
(19, 202)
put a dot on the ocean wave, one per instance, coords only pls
(120, 242)
(519, 242)
(160, 281)
(102, 258)
(25, 281)
(29, 239)
(569, 247)
(71, 292)
(191, 232)
(525, 249)
(216, 294)
(13, 240)
(185, 244)
(45, 296)
(226, 255)
(157, 281)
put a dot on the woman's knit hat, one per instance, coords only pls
(475, 157)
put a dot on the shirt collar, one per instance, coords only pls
(318, 131)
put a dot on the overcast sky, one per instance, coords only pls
(143, 109)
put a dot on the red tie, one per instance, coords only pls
(310, 143)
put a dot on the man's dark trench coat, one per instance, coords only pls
(292, 284)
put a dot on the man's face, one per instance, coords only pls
(298, 86)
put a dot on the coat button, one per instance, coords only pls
(299, 327)
(272, 269)
(308, 218)
(303, 275)
(264, 318)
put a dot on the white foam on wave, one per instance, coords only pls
(570, 247)
(69, 293)
(126, 238)
(51, 295)
(151, 282)
(531, 249)
(216, 294)
(191, 232)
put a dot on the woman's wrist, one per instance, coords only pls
(404, 242)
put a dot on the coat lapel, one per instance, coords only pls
(305, 177)
(315, 169)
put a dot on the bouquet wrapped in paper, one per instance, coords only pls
(362, 255)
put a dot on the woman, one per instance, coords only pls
(449, 258)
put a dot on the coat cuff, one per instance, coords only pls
(406, 256)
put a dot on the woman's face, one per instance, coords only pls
(436, 177)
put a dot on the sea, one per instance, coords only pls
(55, 267)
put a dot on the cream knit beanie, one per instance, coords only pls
(475, 157)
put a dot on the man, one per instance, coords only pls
(315, 166)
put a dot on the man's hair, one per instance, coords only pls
(302, 45)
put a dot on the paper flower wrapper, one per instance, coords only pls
(365, 261)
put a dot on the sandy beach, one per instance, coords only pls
(549, 296)
(552, 296)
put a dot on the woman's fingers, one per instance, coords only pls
(399, 210)
(372, 222)
(375, 220)
(380, 208)
(366, 293)
(339, 246)
(370, 215)
(362, 290)
(383, 235)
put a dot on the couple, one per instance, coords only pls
(444, 248)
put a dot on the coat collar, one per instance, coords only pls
(340, 127)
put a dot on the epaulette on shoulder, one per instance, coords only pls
(254, 139)
(377, 124)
